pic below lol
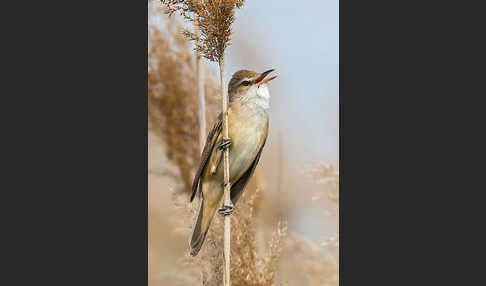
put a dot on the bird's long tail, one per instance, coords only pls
(200, 228)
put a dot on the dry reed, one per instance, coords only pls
(174, 117)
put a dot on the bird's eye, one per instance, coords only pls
(246, 83)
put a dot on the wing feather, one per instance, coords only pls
(206, 154)
(238, 187)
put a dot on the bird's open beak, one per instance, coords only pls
(261, 79)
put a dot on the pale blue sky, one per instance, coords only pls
(300, 40)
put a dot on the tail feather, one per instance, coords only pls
(205, 214)
(198, 234)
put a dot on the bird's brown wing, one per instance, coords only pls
(206, 154)
(238, 187)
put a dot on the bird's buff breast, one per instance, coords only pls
(248, 130)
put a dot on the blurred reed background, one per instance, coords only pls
(285, 227)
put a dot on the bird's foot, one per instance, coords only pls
(226, 209)
(225, 144)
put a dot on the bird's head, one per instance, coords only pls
(247, 84)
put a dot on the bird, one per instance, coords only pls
(248, 116)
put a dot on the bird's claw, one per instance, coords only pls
(226, 209)
(225, 143)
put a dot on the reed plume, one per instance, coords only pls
(200, 93)
(214, 18)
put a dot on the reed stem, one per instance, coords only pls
(227, 186)
(200, 91)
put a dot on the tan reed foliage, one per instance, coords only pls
(172, 97)
(248, 266)
(305, 263)
(328, 176)
(316, 264)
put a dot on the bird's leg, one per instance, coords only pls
(225, 143)
(226, 209)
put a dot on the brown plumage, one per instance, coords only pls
(248, 130)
